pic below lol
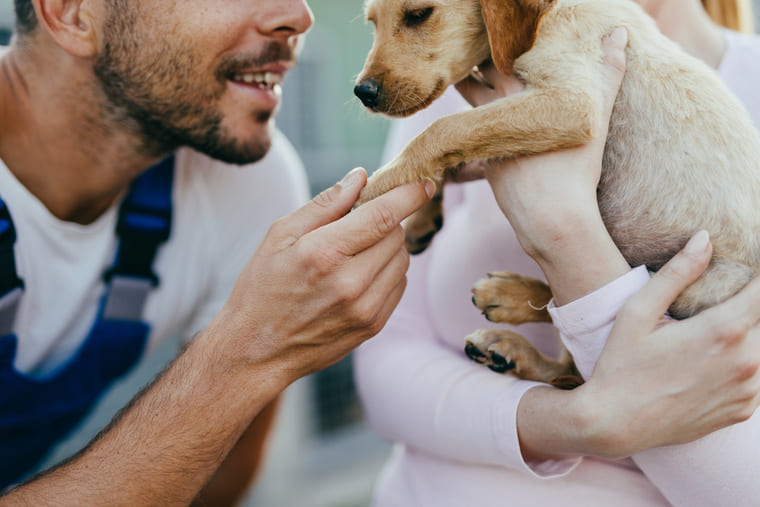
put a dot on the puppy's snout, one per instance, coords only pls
(368, 92)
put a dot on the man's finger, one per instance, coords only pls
(327, 207)
(372, 221)
(675, 276)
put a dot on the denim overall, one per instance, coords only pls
(37, 412)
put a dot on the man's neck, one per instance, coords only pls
(58, 141)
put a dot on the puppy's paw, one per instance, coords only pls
(512, 298)
(503, 350)
(479, 345)
(423, 225)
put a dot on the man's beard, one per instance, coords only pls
(169, 105)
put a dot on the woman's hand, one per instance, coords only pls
(657, 382)
(664, 382)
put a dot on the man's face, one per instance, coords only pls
(200, 73)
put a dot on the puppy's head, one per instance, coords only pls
(420, 47)
(423, 46)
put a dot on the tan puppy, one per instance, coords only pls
(681, 154)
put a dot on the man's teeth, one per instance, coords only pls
(261, 79)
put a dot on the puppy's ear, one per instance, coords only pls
(512, 27)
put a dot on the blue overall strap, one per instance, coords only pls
(144, 223)
(11, 286)
(36, 413)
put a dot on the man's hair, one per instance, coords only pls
(26, 19)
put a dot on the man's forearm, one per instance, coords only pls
(243, 464)
(163, 448)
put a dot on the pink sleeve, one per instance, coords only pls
(418, 391)
(720, 469)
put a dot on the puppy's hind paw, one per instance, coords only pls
(512, 298)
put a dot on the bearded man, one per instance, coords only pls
(125, 221)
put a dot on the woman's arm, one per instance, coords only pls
(713, 381)
(654, 385)
(414, 387)
(417, 390)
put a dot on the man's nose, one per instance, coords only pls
(285, 17)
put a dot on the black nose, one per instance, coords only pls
(368, 91)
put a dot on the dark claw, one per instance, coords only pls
(418, 245)
(474, 353)
(485, 312)
(425, 238)
(416, 249)
(499, 363)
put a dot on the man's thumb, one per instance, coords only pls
(326, 207)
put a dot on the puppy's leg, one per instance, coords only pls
(421, 226)
(535, 121)
(722, 279)
(503, 350)
(512, 298)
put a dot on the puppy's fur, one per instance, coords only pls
(681, 155)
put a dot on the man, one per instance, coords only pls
(109, 244)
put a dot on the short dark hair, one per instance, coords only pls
(26, 19)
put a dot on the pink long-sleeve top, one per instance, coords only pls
(454, 421)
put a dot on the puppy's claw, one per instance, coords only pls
(474, 353)
(500, 364)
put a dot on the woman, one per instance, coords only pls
(468, 436)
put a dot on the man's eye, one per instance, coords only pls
(417, 16)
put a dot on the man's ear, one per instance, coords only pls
(70, 23)
(512, 27)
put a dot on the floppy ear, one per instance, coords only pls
(512, 27)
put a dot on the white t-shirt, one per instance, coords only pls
(220, 213)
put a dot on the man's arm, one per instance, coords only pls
(242, 465)
(322, 281)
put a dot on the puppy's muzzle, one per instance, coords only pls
(368, 92)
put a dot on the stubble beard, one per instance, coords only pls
(156, 94)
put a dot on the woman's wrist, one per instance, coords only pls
(557, 424)
(573, 249)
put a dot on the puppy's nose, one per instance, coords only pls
(368, 91)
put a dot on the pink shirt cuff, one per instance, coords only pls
(508, 443)
(585, 323)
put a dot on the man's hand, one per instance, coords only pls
(324, 279)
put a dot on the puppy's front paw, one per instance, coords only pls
(512, 298)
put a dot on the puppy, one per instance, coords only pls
(681, 154)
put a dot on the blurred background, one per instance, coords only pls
(322, 453)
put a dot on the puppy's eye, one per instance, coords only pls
(417, 16)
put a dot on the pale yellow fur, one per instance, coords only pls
(682, 154)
